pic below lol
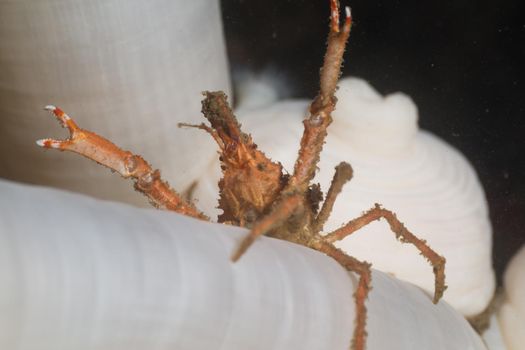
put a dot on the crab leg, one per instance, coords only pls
(314, 127)
(323, 105)
(127, 164)
(279, 214)
(403, 234)
(360, 294)
(343, 174)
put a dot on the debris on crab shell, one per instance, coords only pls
(87, 274)
(427, 183)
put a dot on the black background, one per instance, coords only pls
(461, 62)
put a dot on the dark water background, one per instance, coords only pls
(462, 62)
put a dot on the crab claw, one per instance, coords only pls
(50, 143)
(63, 118)
(66, 122)
(334, 17)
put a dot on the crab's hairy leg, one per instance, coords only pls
(343, 174)
(127, 164)
(323, 105)
(287, 207)
(313, 136)
(334, 53)
(361, 292)
(403, 234)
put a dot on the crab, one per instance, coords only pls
(255, 192)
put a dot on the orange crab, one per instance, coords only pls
(254, 191)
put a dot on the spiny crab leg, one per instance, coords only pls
(127, 164)
(321, 108)
(343, 174)
(403, 234)
(279, 214)
(362, 269)
(314, 126)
